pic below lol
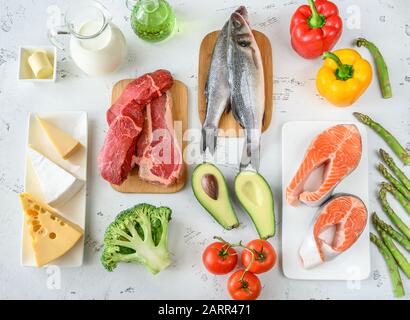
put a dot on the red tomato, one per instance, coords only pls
(264, 256)
(247, 288)
(219, 258)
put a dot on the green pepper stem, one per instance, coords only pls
(334, 57)
(343, 71)
(382, 71)
(316, 20)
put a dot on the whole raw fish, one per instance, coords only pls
(246, 82)
(216, 92)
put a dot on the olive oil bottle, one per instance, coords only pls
(151, 20)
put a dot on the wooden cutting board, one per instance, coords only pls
(134, 184)
(205, 56)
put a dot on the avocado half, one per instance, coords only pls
(256, 197)
(209, 186)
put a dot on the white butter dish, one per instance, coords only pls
(25, 73)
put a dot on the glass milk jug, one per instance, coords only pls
(97, 46)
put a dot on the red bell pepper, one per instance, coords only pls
(315, 28)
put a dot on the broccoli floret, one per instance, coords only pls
(138, 235)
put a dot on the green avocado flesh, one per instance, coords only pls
(255, 196)
(210, 189)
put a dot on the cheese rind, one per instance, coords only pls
(65, 144)
(52, 236)
(57, 185)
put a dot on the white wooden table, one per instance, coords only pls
(295, 98)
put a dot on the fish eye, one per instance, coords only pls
(244, 43)
(237, 24)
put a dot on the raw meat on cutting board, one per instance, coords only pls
(141, 91)
(159, 155)
(348, 215)
(126, 119)
(338, 149)
(115, 157)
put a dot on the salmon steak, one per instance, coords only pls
(347, 215)
(338, 149)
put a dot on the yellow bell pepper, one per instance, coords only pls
(344, 76)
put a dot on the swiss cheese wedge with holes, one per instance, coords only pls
(51, 234)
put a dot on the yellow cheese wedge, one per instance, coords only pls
(65, 144)
(51, 235)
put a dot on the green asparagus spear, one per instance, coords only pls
(391, 232)
(399, 197)
(393, 143)
(398, 256)
(393, 167)
(392, 215)
(396, 183)
(382, 71)
(397, 284)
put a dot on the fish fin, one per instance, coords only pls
(235, 113)
(228, 108)
(255, 159)
(246, 153)
(208, 139)
(263, 118)
(206, 90)
(251, 151)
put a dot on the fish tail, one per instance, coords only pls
(208, 140)
(251, 151)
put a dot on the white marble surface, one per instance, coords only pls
(295, 98)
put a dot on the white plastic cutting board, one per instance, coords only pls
(74, 123)
(353, 264)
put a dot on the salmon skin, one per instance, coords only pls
(338, 149)
(348, 214)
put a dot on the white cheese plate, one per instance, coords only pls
(75, 124)
(353, 264)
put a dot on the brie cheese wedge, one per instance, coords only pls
(57, 185)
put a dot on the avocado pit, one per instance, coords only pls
(210, 185)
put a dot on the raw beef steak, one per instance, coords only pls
(159, 155)
(115, 157)
(141, 91)
(126, 118)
